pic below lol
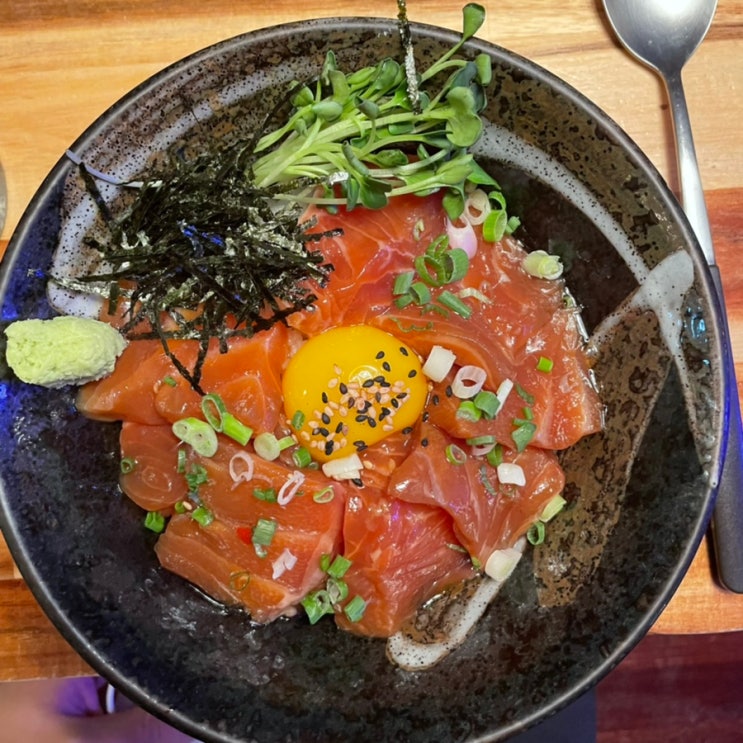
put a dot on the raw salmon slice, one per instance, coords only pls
(402, 554)
(487, 514)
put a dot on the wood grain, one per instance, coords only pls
(63, 63)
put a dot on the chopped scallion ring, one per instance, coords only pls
(298, 420)
(127, 465)
(213, 409)
(455, 454)
(487, 402)
(202, 515)
(267, 446)
(536, 533)
(325, 495)
(198, 434)
(263, 532)
(545, 364)
(236, 429)
(339, 566)
(301, 456)
(355, 609)
(154, 521)
(455, 304)
(468, 411)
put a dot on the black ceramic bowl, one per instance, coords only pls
(640, 493)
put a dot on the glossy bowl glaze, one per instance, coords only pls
(640, 493)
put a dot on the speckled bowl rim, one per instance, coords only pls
(383, 26)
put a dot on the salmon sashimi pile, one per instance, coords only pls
(377, 448)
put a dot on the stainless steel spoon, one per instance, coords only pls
(663, 34)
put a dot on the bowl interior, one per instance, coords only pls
(639, 492)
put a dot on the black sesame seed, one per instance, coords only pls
(380, 379)
(339, 427)
(395, 402)
(402, 395)
(404, 351)
(425, 416)
(325, 418)
(372, 423)
(358, 482)
(368, 383)
(351, 402)
(424, 442)
(449, 391)
(360, 418)
(385, 383)
(329, 446)
(384, 413)
(325, 397)
(360, 445)
(435, 399)
(386, 366)
(412, 373)
(343, 388)
(380, 355)
(378, 396)
(322, 432)
(407, 429)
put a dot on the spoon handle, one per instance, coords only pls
(692, 193)
(727, 517)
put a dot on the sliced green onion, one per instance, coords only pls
(487, 402)
(545, 364)
(267, 446)
(182, 461)
(542, 265)
(298, 420)
(180, 507)
(324, 562)
(469, 292)
(455, 304)
(263, 532)
(127, 465)
(317, 605)
(524, 395)
(337, 590)
(494, 226)
(481, 440)
(196, 477)
(536, 532)
(301, 456)
(495, 455)
(528, 414)
(169, 381)
(523, 434)
(213, 408)
(355, 609)
(154, 521)
(553, 508)
(403, 282)
(285, 442)
(236, 429)
(420, 292)
(339, 566)
(198, 434)
(456, 262)
(403, 301)
(468, 411)
(202, 515)
(325, 495)
(455, 454)
(265, 494)
(239, 580)
(429, 269)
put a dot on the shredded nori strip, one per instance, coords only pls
(203, 254)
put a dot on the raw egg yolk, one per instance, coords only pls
(349, 387)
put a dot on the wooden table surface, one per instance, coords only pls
(62, 63)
